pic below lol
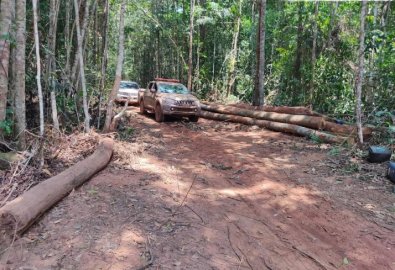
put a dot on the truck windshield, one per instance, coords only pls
(129, 85)
(173, 88)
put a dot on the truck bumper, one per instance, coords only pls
(181, 111)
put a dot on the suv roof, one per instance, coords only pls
(167, 80)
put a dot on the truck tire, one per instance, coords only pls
(142, 109)
(391, 172)
(194, 118)
(379, 154)
(159, 116)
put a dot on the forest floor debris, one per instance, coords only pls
(249, 197)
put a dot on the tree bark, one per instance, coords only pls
(314, 122)
(259, 93)
(118, 73)
(51, 59)
(19, 79)
(314, 51)
(82, 71)
(298, 60)
(233, 53)
(104, 58)
(6, 11)
(190, 57)
(19, 214)
(359, 78)
(276, 126)
(38, 63)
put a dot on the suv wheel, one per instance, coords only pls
(159, 116)
(142, 109)
(194, 118)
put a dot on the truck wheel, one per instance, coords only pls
(159, 116)
(142, 109)
(194, 118)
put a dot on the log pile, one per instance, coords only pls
(302, 122)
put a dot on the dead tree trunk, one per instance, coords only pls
(313, 122)
(280, 127)
(19, 214)
(118, 73)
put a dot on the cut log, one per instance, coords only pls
(300, 110)
(280, 127)
(19, 214)
(313, 122)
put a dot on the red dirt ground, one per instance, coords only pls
(218, 196)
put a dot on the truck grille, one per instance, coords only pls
(179, 109)
(184, 102)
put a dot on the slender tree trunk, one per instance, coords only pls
(359, 78)
(6, 12)
(38, 62)
(118, 74)
(298, 59)
(104, 58)
(51, 59)
(259, 93)
(314, 51)
(82, 71)
(233, 54)
(19, 79)
(190, 57)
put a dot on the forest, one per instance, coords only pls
(305, 53)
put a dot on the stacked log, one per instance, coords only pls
(298, 123)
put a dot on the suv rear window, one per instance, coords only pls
(129, 85)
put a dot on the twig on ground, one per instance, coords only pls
(201, 219)
(231, 245)
(304, 254)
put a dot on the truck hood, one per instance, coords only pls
(178, 97)
(128, 91)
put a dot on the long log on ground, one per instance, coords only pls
(19, 214)
(313, 122)
(280, 127)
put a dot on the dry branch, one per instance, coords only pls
(23, 211)
(314, 122)
(276, 126)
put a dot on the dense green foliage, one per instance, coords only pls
(157, 45)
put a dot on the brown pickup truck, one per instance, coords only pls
(169, 97)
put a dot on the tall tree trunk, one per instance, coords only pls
(190, 57)
(51, 59)
(118, 74)
(314, 51)
(298, 59)
(19, 73)
(233, 53)
(359, 78)
(104, 58)
(82, 70)
(259, 93)
(6, 11)
(38, 62)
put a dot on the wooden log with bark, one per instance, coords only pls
(313, 122)
(277, 126)
(18, 215)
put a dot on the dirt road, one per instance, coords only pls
(217, 196)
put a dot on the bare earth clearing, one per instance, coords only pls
(218, 196)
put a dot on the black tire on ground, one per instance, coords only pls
(194, 118)
(159, 116)
(142, 109)
(379, 154)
